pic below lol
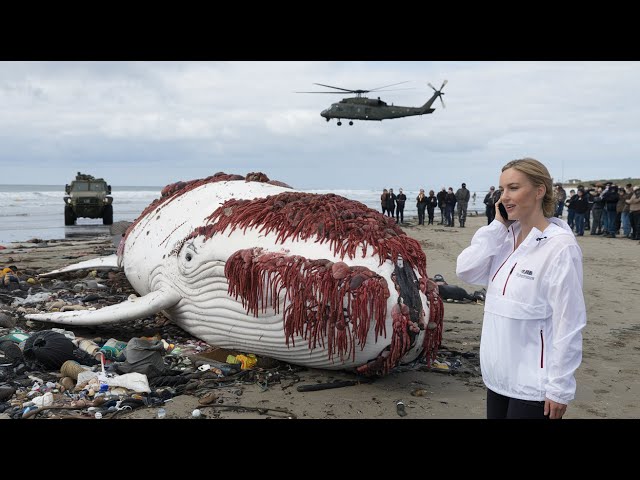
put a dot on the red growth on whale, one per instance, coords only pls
(322, 300)
(174, 190)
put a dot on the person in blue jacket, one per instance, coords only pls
(534, 313)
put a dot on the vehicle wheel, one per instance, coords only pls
(339, 123)
(107, 215)
(69, 216)
(350, 123)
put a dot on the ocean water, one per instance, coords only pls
(37, 211)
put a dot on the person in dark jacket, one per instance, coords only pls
(596, 210)
(391, 203)
(442, 194)
(421, 204)
(383, 200)
(462, 197)
(400, 201)
(571, 214)
(610, 197)
(450, 205)
(432, 203)
(580, 206)
(490, 200)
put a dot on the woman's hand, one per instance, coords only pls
(553, 409)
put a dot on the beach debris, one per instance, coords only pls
(453, 293)
(335, 384)
(400, 408)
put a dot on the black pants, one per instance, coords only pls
(430, 213)
(499, 406)
(420, 215)
(400, 213)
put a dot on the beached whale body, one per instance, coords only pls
(314, 280)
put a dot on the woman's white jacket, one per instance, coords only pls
(534, 311)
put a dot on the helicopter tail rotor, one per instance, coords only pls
(439, 92)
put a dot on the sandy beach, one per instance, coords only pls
(608, 379)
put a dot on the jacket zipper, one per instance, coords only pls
(508, 277)
(505, 260)
(541, 350)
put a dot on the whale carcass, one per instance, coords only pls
(250, 264)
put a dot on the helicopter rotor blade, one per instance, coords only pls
(395, 89)
(337, 88)
(385, 86)
(443, 84)
(434, 88)
(335, 93)
(442, 101)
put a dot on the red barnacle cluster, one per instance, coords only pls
(174, 190)
(345, 224)
(433, 336)
(326, 303)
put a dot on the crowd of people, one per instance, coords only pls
(393, 205)
(602, 209)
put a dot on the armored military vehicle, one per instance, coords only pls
(88, 197)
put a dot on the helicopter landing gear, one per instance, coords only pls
(339, 123)
(350, 122)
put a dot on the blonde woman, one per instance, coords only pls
(534, 312)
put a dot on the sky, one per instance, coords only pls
(154, 123)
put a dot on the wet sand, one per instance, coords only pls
(608, 379)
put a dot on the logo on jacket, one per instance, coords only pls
(524, 273)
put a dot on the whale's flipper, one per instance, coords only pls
(100, 263)
(138, 307)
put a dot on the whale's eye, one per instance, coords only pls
(188, 257)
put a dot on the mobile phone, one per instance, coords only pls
(503, 211)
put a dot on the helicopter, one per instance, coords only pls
(363, 108)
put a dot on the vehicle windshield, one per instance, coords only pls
(80, 187)
(89, 187)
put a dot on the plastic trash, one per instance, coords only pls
(45, 400)
(16, 335)
(113, 348)
(161, 413)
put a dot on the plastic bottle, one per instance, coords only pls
(161, 413)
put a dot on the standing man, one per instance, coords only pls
(432, 203)
(421, 204)
(383, 200)
(400, 199)
(561, 197)
(450, 205)
(462, 199)
(490, 200)
(391, 203)
(442, 195)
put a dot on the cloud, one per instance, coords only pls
(146, 122)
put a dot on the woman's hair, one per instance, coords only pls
(431, 191)
(538, 174)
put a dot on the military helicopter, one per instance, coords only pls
(363, 108)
